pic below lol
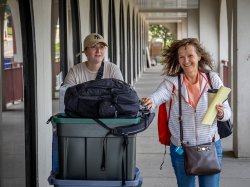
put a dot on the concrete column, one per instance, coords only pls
(42, 20)
(105, 20)
(241, 62)
(2, 77)
(229, 5)
(1, 73)
(18, 56)
(69, 36)
(193, 24)
(135, 47)
(85, 21)
(184, 29)
(223, 31)
(117, 25)
(125, 51)
(209, 28)
(179, 31)
(223, 38)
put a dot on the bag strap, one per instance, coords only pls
(124, 131)
(170, 103)
(100, 72)
(180, 108)
(209, 80)
(168, 116)
(129, 129)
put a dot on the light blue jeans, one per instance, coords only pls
(184, 180)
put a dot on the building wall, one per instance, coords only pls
(184, 28)
(172, 27)
(179, 31)
(193, 24)
(209, 26)
(241, 78)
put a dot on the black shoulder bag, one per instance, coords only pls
(198, 159)
(225, 128)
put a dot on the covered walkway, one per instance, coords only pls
(149, 151)
(47, 35)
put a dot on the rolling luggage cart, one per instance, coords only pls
(86, 154)
(137, 182)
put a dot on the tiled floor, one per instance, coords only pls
(12, 167)
(12, 147)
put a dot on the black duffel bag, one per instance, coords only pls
(103, 98)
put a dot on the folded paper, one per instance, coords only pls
(219, 98)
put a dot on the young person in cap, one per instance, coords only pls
(94, 49)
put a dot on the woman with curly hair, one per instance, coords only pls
(188, 59)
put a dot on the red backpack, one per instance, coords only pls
(163, 117)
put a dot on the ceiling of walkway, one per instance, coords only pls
(166, 11)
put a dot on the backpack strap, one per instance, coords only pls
(124, 131)
(129, 129)
(170, 103)
(163, 118)
(100, 72)
(168, 116)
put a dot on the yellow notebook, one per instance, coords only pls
(219, 98)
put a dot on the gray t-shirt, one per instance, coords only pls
(80, 73)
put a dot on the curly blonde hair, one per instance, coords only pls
(170, 57)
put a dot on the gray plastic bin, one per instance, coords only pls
(80, 148)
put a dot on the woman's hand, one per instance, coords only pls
(147, 102)
(220, 111)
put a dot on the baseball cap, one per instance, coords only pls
(93, 39)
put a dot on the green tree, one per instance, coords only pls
(160, 31)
